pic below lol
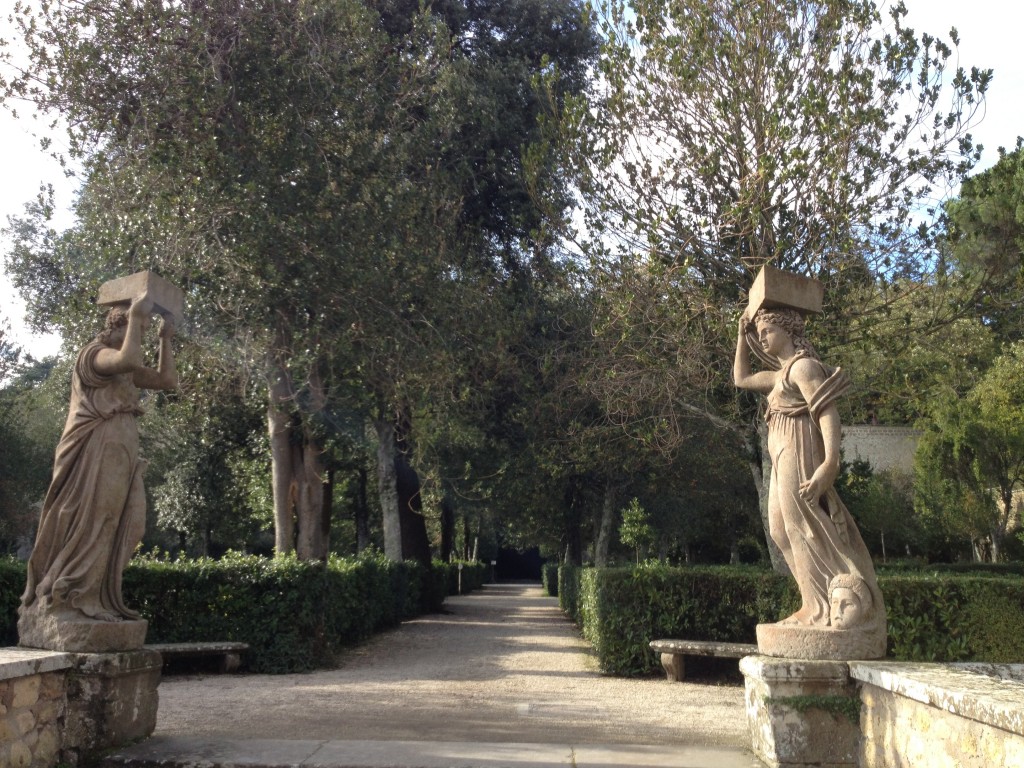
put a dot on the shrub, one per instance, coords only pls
(294, 615)
(549, 578)
(569, 591)
(12, 584)
(474, 576)
(932, 617)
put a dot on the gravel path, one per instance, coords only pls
(501, 665)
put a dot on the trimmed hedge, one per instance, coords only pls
(931, 617)
(549, 578)
(474, 576)
(294, 615)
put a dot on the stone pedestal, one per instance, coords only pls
(39, 629)
(112, 700)
(801, 712)
(797, 641)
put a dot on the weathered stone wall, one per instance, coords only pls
(940, 716)
(883, 447)
(33, 702)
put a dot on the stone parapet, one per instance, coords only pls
(941, 715)
(32, 706)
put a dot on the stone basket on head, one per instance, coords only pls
(168, 299)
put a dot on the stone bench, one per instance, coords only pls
(230, 652)
(674, 653)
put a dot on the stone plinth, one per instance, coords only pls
(38, 629)
(941, 715)
(112, 700)
(802, 712)
(167, 298)
(795, 641)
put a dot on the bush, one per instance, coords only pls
(12, 584)
(294, 615)
(549, 577)
(569, 591)
(474, 576)
(948, 617)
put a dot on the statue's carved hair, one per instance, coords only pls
(792, 322)
(117, 317)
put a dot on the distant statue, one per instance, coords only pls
(807, 520)
(94, 513)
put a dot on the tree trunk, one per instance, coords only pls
(387, 489)
(573, 534)
(296, 475)
(279, 423)
(362, 511)
(447, 527)
(604, 531)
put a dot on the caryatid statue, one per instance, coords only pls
(841, 614)
(94, 513)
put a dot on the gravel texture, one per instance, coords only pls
(500, 665)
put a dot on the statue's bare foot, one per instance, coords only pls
(107, 616)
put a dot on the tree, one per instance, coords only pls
(986, 233)
(971, 459)
(636, 531)
(806, 134)
(324, 179)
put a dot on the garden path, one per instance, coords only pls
(500, 678)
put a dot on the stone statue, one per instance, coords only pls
(842, 614)
(94, 512)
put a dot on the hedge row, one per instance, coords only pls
(294, 615)
(549, 579)
(931, 617)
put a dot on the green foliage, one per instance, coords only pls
(970, 460)
(474, 576)
(12, 584)
(636, 530)
(295, 615)
(932, 617)
(549, 578)
(622, 609)
(569, 577)
(986, 232)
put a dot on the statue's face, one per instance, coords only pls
(774, 339)
(844, 608)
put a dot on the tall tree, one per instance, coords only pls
(805, 133)
(322, 178)
(971, 461)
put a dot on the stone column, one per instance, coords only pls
(111, 700)
(802, 712)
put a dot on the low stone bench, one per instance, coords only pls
(674, 653)
(230, 653)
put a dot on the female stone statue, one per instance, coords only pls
(806, 518)
(94, 513)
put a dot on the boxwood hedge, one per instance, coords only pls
(931, 616)
(294, 615)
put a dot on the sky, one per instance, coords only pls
(989, 40)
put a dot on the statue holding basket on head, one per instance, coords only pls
(94, 513)
(807, 520)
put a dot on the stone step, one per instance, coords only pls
(183, 752)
